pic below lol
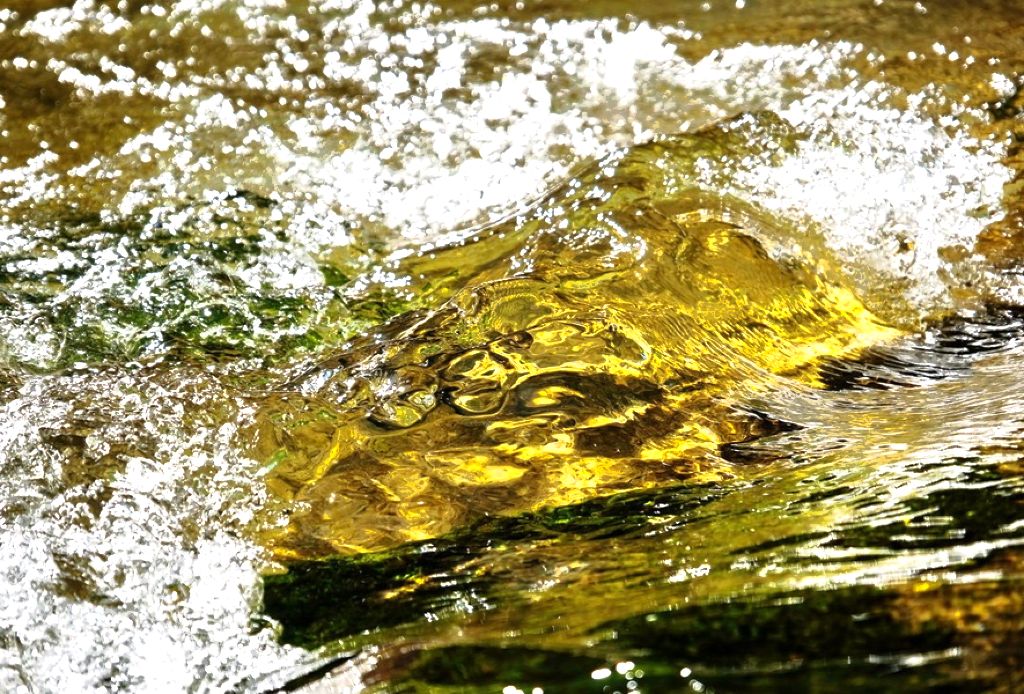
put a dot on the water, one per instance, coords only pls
(574, 346)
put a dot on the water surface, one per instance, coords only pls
(558, 345)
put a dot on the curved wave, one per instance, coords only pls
(592, 345)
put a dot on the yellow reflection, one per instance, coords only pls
(586, 353)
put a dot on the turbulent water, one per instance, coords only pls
(551, 346)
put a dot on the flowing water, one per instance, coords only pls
(532, 346)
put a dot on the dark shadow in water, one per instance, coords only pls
(955, 631)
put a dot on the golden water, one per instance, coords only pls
(574, 346)
(597, 344)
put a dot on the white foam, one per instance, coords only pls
(139, 580)
(888, 188)
(436, 144)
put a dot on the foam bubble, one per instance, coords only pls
(124, 564)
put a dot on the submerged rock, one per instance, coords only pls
(593, 345)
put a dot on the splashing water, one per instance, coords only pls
(508, 347)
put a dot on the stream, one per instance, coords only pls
(533, 346)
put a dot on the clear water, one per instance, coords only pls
(203, 204)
